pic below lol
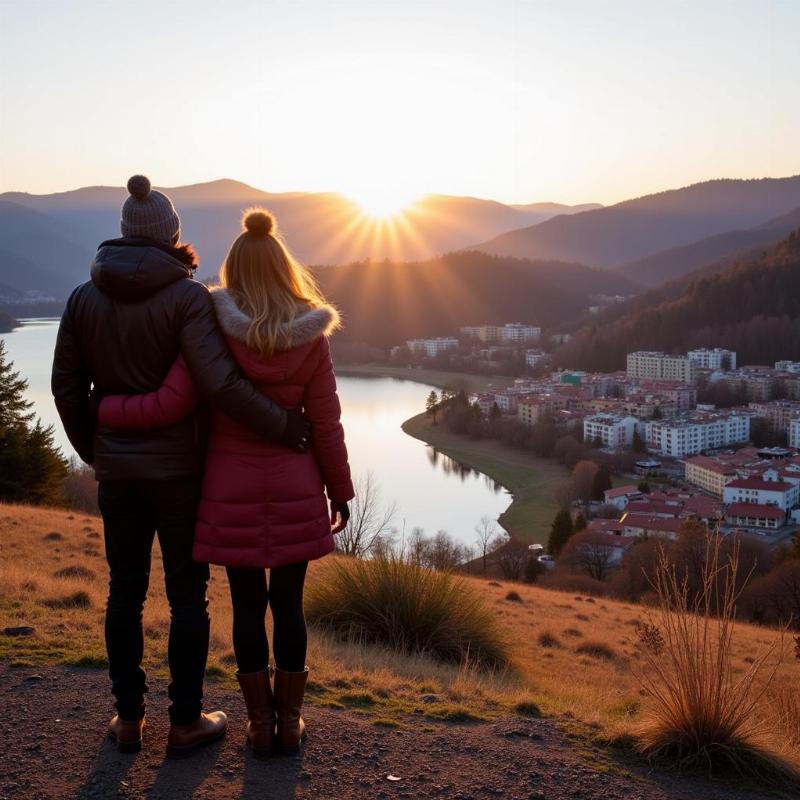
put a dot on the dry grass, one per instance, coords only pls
(601, 695)
(702, 712)
(407, 608)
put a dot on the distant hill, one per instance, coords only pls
(553, 209)
(713, 250)
(385, 303)
(322, 228)
(616, 235)
(752, 307)
(37, 251)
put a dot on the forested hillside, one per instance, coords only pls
(384, 303)
(752, 307)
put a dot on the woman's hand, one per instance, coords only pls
(340, 514)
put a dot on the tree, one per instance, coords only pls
(644, 487)
(587, 552)
(512, 555)
(431, 404)
(486, 533)
(601, 483)
(580, 522)
(583, 477)
(32, 468)
(560, 531)
(370, 520)
(638, 444)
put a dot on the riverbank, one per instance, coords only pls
(433, 377)
(532, 481)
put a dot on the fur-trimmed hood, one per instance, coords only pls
(308, 325)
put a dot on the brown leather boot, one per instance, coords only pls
(257, 694)
(289, 690)
(127, 733)
(183, 739)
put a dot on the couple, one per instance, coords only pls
(212, 420)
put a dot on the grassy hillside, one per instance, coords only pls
(572, 655)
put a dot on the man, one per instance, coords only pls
(120, 333)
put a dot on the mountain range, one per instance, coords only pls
(47, 241)
(625, 233)
(752, 307)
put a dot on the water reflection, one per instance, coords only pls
(431, 490)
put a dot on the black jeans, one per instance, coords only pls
(133, 512)
(250, 597)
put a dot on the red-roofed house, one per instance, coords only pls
(621, 496)
(600, 525)
(644, 525)
(755, 517)
(766, 490)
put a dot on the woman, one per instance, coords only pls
(263, 506)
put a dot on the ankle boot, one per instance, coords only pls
(257, 694)
(127, 734)
(289, 690)
(184, 739)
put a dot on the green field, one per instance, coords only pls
(532, 480)
(433, 377)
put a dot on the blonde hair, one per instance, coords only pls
(267, 282)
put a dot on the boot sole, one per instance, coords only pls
(186, 750)
(260, 753)
(126, 747)
(294, 749)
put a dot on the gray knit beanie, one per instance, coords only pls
(149, 213)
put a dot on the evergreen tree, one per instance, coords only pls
(560, 531)
(580, 522)
(600, 483)
(644, 487)
(638, 444)
(32, 468)
(431, 404)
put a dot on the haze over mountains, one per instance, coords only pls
(58, 233)
(634, 229)
(542, 263)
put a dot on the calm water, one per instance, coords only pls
(429, 489)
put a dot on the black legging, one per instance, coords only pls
(250, 598)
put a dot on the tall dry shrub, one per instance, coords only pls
(702, 714)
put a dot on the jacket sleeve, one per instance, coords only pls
(322, 407)
(71, 384)
(215, 372)
(172, 402)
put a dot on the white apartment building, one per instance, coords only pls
(432, 347)
(794, 433)
(649, 365)
(509, 333)
(535, 357)
(718, 358)
(612, 430)
(691, 434)
(767, 490)
(517, 332)
(787, 366)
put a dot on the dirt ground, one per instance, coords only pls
(54, 747)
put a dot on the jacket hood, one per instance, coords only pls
(308, 325)
(132, 269)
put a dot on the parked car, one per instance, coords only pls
(548, 562)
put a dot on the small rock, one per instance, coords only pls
(430, 698)
(33, 678)
(19, 630)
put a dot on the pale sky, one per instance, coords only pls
(570, 100)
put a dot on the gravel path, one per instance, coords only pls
(53, 747)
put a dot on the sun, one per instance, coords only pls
(383, 203)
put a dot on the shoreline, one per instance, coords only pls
(530, 481)
(431, 377)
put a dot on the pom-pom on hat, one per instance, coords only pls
(258, 222)
(149, 213)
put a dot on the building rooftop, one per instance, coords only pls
(759, 484)
(754, 510)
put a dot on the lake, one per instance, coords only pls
(429, 489)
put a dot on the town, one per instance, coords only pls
(720, 441)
